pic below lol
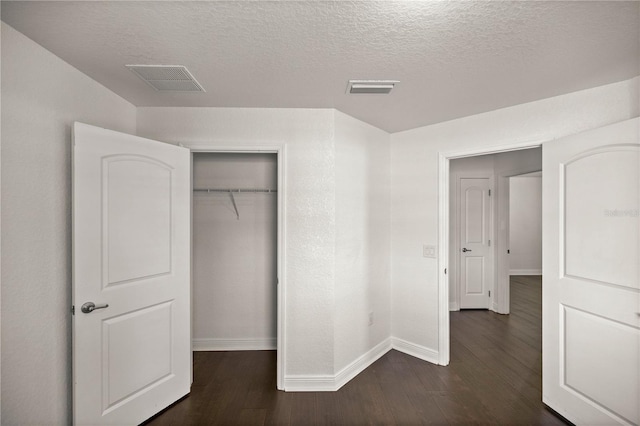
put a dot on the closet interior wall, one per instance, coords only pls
(234, 252)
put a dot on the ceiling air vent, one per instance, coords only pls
(167, 78)
(371, 86)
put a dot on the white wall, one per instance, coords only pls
(414, 185)
(337, 236)
(525, 225)
(363, 220)
(41, 97)
(311, 212)
(234, 258)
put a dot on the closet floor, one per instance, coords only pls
(494, 378)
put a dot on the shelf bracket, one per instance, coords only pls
(233, 200)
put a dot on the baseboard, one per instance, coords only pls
(453, 306)
(233, 344)
(525, 272)
(418, 351)
(310, 383)
(328, 383)
(360, 364)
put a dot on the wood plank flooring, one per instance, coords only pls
(494, 378)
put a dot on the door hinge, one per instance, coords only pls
(73, 310)
(445, 271)
(508, 251)
(489, 243)
(489, 193)
(489, 293)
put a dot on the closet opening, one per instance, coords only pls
(236, 260)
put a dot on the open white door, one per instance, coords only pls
(591, 290)
(131, 251)
(476, 253)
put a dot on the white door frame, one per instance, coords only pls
(443, 232)
(280, 151)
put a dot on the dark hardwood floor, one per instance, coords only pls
(494, 378)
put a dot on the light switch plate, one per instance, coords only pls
(429, 251)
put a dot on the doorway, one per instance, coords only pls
(471, 213)
(234, 251)
(238, 213)
(479, 227)
(525, 224)
(444, 234)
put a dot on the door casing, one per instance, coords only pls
(280, 151)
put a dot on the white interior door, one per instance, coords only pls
(591, 301)
(131, 251)
(475, 251)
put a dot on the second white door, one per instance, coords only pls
(475, 251)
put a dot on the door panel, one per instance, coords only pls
(125, 376)
(602, 181)
(136, 218)
(474, 275)
(613, 385)
(474, 211)
(476, 261)
(591, 298)
(131, 251)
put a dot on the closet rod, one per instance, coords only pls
(231, 191)
(268, 191)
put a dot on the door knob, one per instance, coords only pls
(89, 307)
(464, 250)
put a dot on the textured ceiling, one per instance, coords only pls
(453, 59)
